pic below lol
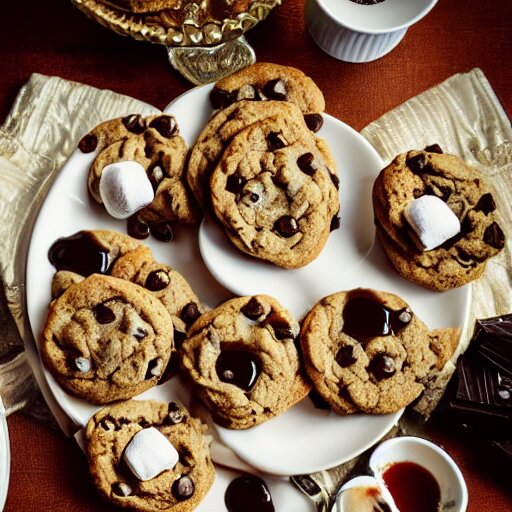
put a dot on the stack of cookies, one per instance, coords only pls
(269, 180)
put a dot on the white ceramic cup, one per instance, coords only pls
(355, 32)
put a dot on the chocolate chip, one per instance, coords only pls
(235, 183)
(283, 332)
(103, 314)
(183, 488)
(82, 364)
(493, 236)
(335, 223)
(162, 231)
(314, 121)
(383, 366)
(179, 338)
(434, 148)
(134, 123)
(238, 367)
(220, 98)
(405, 315)
(88, 143)
(486, 204)
(253, 197)
(345, 356)
(190, 313)
(107, 424)
(121, 489)
(140, 333)
(286, 226)
(305, 164)
(417, 164)
(166, 126)
(335, 180)
(157, 280)
(275, 141)
(253, 309)
(275, 90)
(155, 368)
(137, 228)
(174, 413)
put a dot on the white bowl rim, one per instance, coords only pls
(367, 30)
(434, 447)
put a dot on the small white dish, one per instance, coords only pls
(453, 489)
(354, 32)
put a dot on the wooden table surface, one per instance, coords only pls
(48, 471)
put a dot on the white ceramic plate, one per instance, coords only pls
(303, 439)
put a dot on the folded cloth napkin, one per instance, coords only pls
(50, 115)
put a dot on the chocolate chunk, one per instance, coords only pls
(238, 367)
(103, 314)
(335, 223)
(121, 489)
(220, 98)
(80, 253)
(365, 318)
(179, 338)
(137, 228)
(405, 315)
(183, 488)
(434, 148)
(282, 332)
(335, 180)
(275, 141)
(235, 183)
(286, 226)
(345, 356)
(306, 165)
(190, 313)
(248, 493)
(88, 143)
(175, 413)
(486, 204)
(417, 164)
(162, 231)
(253, 197)
(493, 236)
(155, 368)
(166, 126)
(134, 123)
(383, 366)
(314, 121)
(157, 280)
(253, 309)
(82, 364)
(140, 333)
(108, 424)
(275, 90)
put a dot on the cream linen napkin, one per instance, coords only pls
(50, 115)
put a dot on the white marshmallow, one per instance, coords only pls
(432, 220)
(149, 453)
(125, 188)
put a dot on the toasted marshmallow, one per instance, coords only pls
(149, 453)
(432, 220)
(125, 188)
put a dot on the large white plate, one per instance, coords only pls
(303, 439)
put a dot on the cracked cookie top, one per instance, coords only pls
(106, 339)
(242, 359)
(444, 178)
(179, 485)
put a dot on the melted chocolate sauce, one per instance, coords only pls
(248, 493)
(238, 367)
(79, 253)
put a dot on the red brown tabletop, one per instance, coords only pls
(48, 471)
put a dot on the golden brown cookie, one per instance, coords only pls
(275, 194)
(366, 351)
(446, 181)
(115, 431)
(243, 363)
(106, 339)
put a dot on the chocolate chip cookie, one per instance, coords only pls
(467, 200)
(120, 441)
(366, 351)
(154, 143)
(106, 339)
(243, 363)
(275, 194)
(265, 81)
(220, 130)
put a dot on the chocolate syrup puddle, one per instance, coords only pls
(248, 493)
